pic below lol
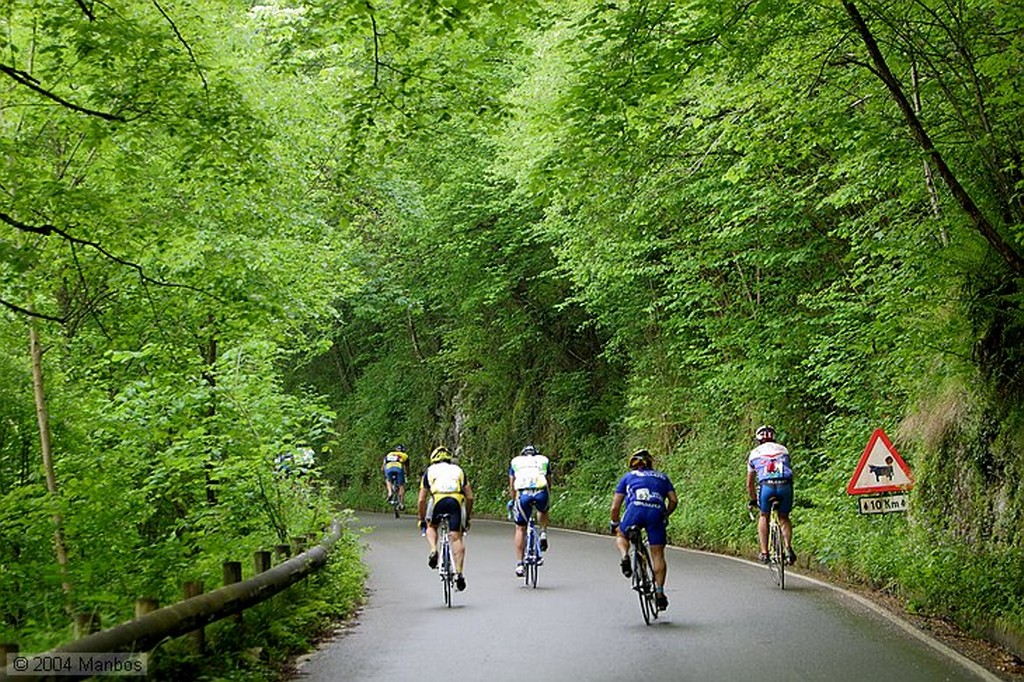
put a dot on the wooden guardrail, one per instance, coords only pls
(190, 615)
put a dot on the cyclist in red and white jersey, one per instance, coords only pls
(770, 474)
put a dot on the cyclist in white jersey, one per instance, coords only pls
(528, 485)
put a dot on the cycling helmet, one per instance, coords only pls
(440, 454)
(641, 459)
(529, 450)
(399, 448)
(764, 433)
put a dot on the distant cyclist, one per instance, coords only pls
(396, 471)
(650, 499)
(528, 485)
(445, 490)
(769, 474)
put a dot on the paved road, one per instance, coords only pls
(725, 621)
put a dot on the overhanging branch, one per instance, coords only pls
(31, 83)
(63, 234)
(963, 198)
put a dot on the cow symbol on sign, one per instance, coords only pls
(882, 472)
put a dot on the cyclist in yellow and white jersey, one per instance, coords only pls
(444, 489)
(396, 470)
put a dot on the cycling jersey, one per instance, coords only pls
(444, 479)
(771, 462)
(645, 488)
(395, 459)
(646, 495)
(529, 472)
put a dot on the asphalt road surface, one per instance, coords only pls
(725, 621)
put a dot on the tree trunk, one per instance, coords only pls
(43, 418)
(981, 223)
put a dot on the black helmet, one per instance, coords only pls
(399, 448)
(529, 450)
(641, 459)
(764, 433)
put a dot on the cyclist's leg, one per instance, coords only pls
(458, 550)
(520, 516)
(432, 536)
(764, 495)
(542, 502)
(656, 538)
(658, 564)
(432, 520)
(785, 495)
(660, 570)
(458, 513)
(400, 482)
(630, 517)
(387, 483)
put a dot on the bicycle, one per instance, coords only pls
(777, 557)
(395, 501)
(532, 557)
(643, 573)
(445, 567)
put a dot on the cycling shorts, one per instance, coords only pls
(526, 502)
(651, 518)
(782, 490)
(396, 476)
(450, 506)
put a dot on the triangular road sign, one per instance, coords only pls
(881, 469)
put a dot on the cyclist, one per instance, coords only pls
(650, 499)
(528, 485)
(449, 493)
(396, 470)
(769, 474)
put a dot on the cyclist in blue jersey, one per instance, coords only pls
(770, 474)
(650, 498)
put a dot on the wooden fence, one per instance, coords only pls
(152, 625)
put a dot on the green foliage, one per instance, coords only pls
(584, 225)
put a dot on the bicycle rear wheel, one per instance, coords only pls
(649, 592)
(447, 575)
(643, 585)
(533, 564)
(777, 555)
(445, 568)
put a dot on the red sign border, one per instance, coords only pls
(879, 434)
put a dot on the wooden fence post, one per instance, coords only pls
(8, 650)
(86, 624)
(194, 588)
(298, 545)
(144, 605)
(282, 552)
(261, 562)
(232, 575)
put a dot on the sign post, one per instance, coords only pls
(881, 470)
